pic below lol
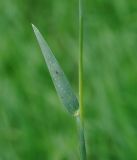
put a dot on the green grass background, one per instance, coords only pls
(33, 123)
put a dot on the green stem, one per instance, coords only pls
(80, 119)
(82, 146)
(81, 60)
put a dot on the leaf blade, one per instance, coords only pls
(62, 85)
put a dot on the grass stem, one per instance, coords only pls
(81, 59)
(82, 146)
(80, 118)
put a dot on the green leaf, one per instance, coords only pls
(59, 79)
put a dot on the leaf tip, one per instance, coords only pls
(34, 28)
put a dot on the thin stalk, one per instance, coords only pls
(82, 146)
(80, 118)
(81, 60)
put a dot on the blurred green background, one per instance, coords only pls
(33, 123)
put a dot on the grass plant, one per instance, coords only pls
(32, 123)
(62, 85)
